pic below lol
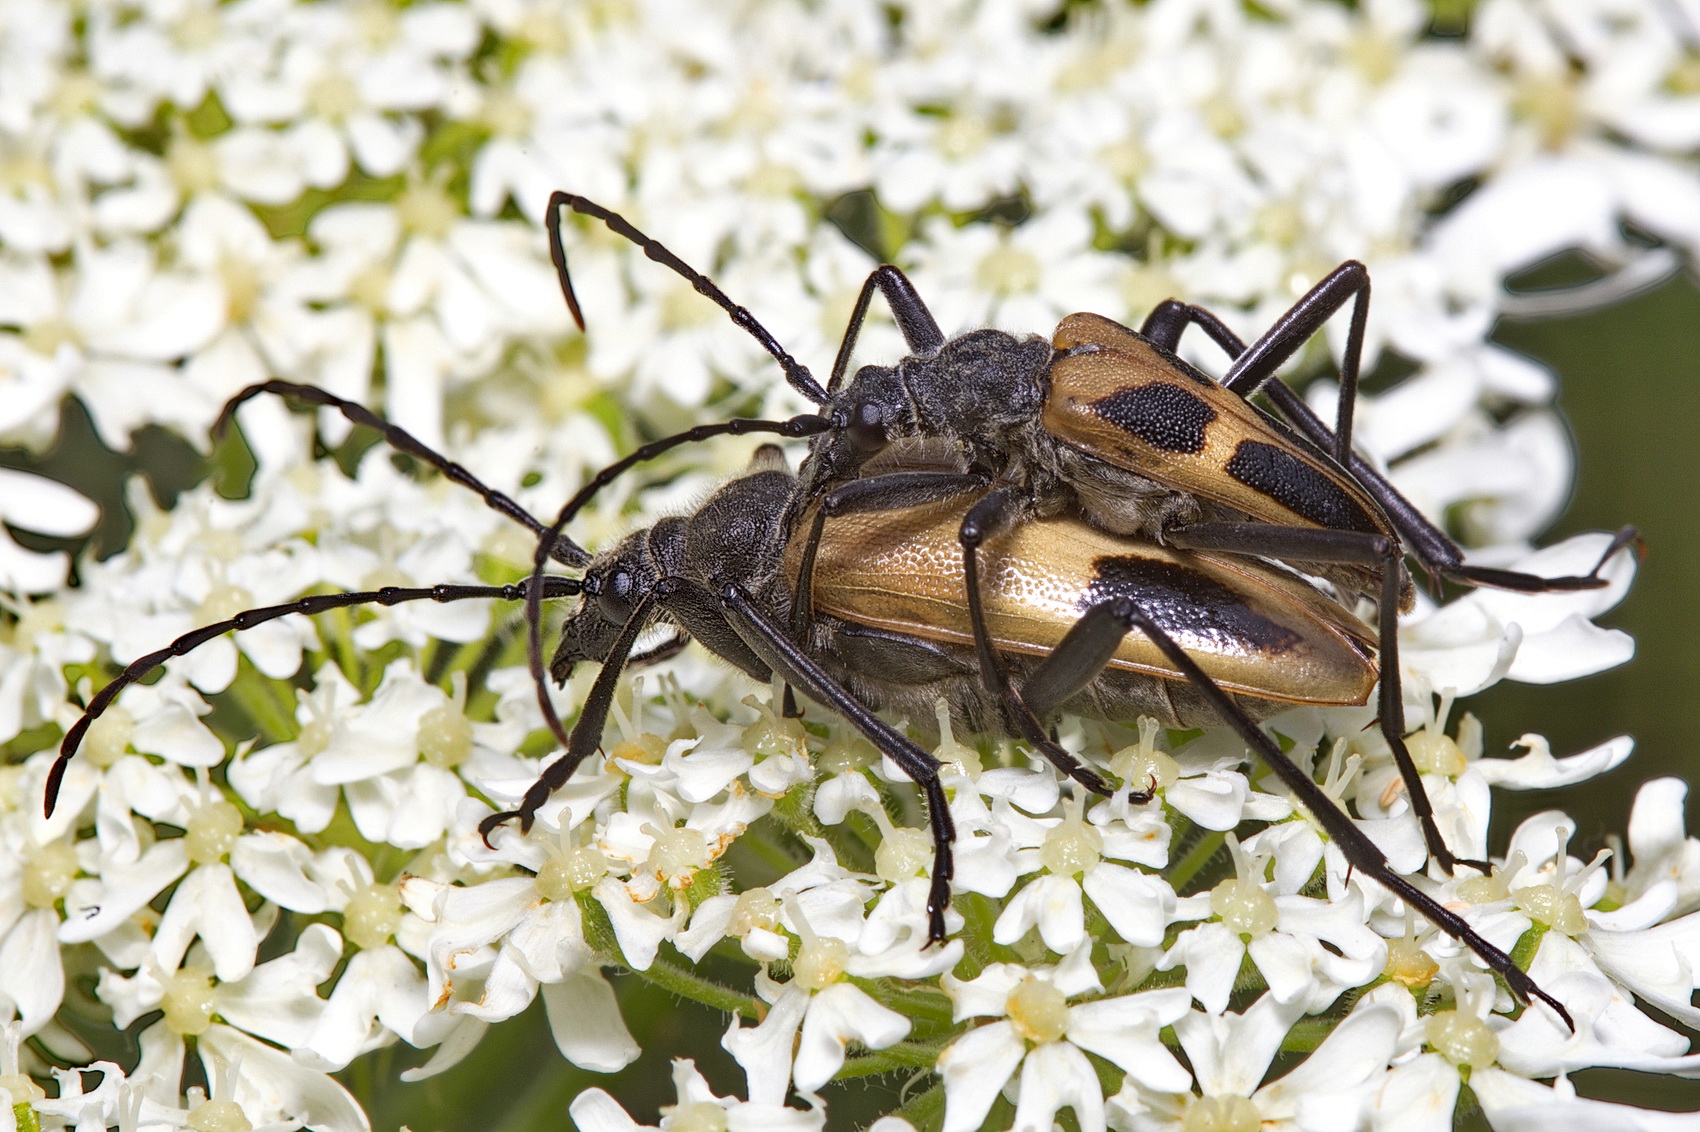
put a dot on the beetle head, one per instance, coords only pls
(614, 582)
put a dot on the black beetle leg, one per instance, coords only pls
(1253, 366)
(993, 513)
(767, 638)
(1308, 544)
(1438, 554)
(1360, 852)
(920, 330)
(587, 732)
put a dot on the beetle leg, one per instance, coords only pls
(563, 549)
(593, 716)
(795, 372)
(891, 492)
(765, 636)
(663, 650)
(1428, 543)
(1320, 545)
(1253, 366)
(248, 618)
(993, 513)
(920, 330)
(1439, 555)
(1359, 850)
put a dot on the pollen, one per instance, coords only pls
(820, 962)
(24, 1091)
(426, 207)
(1241, 903)
(772, 733)
(333, 97)
(756, 909)
(1463, 1039)
(678, 854)
(192, 165)
(48, 872)
(1142, 764)
(1408, 964)
(372, 915)
(570, 870)
(445, 735)
(223, 602)
(1038, 1010)
(212, 831)
(189, 1000)
(963, 135)
(1552, 104)
(1221, 1114)
(218, 1116)
(646, 749)
(1435, 752)
(902, 853)
(1551, 905)
(1245, 907)
(1072, 847)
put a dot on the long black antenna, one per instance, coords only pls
(795, 372)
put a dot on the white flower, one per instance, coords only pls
(1040, 1033)
(595, 1111)
(1230, 1056)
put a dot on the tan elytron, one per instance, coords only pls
(1255, 628)
(1125, 402)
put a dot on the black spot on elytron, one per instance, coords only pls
(1298, 486)
(1187, 604)
(1164, 416)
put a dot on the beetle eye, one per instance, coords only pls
(614, 597)
(866, 432)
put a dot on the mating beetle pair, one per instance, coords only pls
(1065, 458)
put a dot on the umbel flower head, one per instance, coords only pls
(264, 900)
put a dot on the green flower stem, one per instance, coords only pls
(688, 984)
(904, 1055)
(920, 1002)
(754, 840)
(1182, 871)
(926, 1110)
(261, 698)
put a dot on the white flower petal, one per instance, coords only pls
(584, 1018)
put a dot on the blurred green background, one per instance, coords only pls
(1630, 380)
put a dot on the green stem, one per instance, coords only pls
(687, 984)
(926, 1110)
(769, 851)
(259, 700)
(1182, 871)
(904, 1055)
(922, 1003)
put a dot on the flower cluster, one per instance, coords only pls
(269, 857)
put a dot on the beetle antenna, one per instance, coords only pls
(795, 372)
(563, 550)
(551, 586)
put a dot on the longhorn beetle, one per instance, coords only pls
(1088, 621)
(1109, 421)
